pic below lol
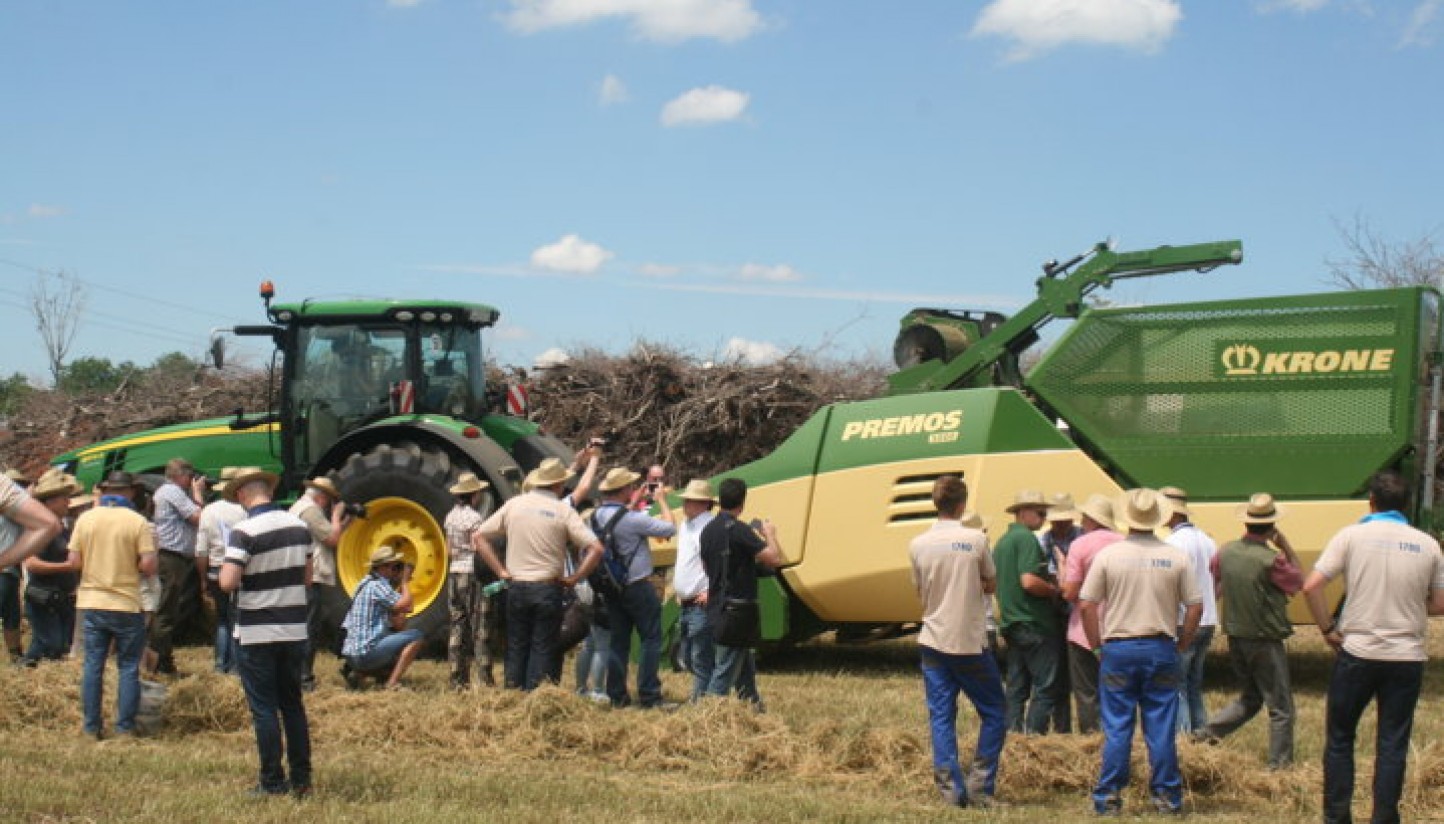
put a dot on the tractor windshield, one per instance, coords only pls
(451, 381)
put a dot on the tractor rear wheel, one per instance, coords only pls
(405, 487)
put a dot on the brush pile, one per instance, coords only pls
(656, 404)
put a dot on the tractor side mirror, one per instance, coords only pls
(217, 351)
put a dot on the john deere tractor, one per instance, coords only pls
(388, 398)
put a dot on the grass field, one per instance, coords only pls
(844, 740)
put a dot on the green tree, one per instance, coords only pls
(13, 391)
(92, 374)
(174, 365)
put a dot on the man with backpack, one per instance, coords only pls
(626, 570)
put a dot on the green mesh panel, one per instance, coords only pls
(1302, 397)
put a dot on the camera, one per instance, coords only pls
(354, 510)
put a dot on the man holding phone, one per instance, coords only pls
(1256, 583)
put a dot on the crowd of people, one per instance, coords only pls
(1097, 614)
(1135, 614)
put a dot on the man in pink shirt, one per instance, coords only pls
(1097, 523)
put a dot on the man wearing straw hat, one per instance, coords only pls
(689, 581)
(376, 633)
(112, 546)
(538, 526)
(1256, 584)
(953, 572)
(1394, 579)
(1096, 516)
(1028, 616)
(1201, 552)
(212, 535)
(50, 590)
(629, 554)
(468, 606)
(268, 561)
(1144, 580)
(319, 508)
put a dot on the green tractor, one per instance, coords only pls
(386, 397)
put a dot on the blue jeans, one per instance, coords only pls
(271, 677)
(225, 630)
(592, 660)
(1192, 714)
(386, 651)
(697, 647)
(637, 608)
(51, 629)
(734, 668)
(944, 678)
(1138, 676)
(533, 633)
(1033, 660)
(1394, 685)
(127, 631)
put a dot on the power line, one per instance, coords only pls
(116, 322)
(147, 298)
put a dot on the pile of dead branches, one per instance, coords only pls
(655, 404)
(50, 421)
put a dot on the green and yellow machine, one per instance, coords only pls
(1303, 397)
(389, 399)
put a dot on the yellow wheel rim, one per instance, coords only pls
(409, 527)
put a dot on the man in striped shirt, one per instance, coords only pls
(268, 565)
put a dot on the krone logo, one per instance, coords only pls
(1241, 359)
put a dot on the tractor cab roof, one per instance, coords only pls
(360, 311)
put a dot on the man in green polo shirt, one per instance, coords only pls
(1028, 616)
(1255, 585)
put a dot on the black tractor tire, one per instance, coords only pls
(406, 487)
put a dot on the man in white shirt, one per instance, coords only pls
(1200, 549)
(689, 581)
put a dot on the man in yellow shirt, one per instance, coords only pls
(111, 547)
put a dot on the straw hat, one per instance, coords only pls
(1142, 509)
(53, 484)
(323, 484)
(1060, 507)
(698, 489)
(227, 473)
(1100, 509)
(1260, 509)
(549, 473)
(468, 483)
(80, 502)
(618, 477)
(247, 474)
(18, 477)
(972, 520)
(1028, 499)
(1177, 498)
(385, 554)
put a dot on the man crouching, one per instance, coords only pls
(375, 626)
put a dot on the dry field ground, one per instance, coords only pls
(844, 740)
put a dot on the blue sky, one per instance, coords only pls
(724, 175)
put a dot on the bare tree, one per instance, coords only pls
(57, 300)
(1373, 262)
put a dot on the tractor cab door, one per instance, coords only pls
(452, 379)
(342, 380)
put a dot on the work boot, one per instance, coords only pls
(953, 795)
(353, 681)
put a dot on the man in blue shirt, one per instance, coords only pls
(375, 637)
(629, 553)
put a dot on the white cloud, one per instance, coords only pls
(666, 21)
(612, 91)
(754, 352)
(781, 273)
(1419, 30)
(1038, 26)
(551, 359)
(41, 210)
(571, 254)
(658, 270)
(705, 105)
